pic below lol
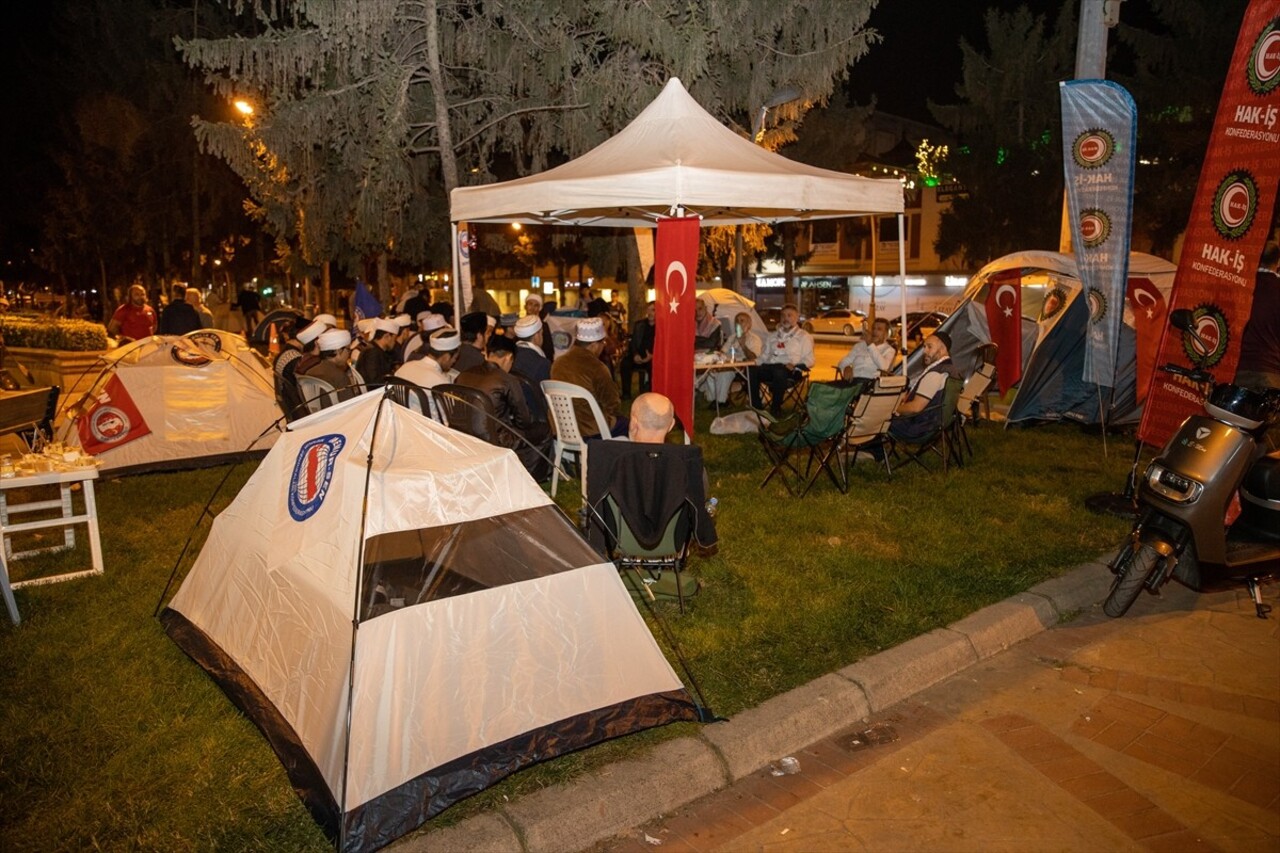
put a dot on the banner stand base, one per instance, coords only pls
(1111, 503)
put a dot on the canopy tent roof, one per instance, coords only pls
(676, 154)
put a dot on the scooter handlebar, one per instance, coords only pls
(1193, 375)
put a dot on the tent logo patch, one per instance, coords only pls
(1263, 73)
(1095, 227)
(1210, 326)
(109, 424)
(1053, 302)
(188, 355)
(312, 473)
(1093, 148)
(206, 339)
(1234, 204)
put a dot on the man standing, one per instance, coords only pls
(334, 363)
(866, 361)
(178, 317)
(135, 319)
(527, 437)
(377, 361)
(788, 353)
(196, 301)
(582, 366)
(920, 413)
(250, 305)
(638, 358)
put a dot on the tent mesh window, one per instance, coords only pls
(411, 567)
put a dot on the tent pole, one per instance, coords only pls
(457, 281)
(902, 290)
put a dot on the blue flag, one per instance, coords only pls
(366, 305)
(1099, 131)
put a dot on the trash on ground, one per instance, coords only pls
(788, 766)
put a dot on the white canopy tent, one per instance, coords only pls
(676, 157)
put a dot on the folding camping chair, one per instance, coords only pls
(972, 396)
(568, 439)
(818, 428)
(868, 426)
(941, 440)
(797, 392)
(647, 506)
(316, 393)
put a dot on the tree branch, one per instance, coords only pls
(513, 114)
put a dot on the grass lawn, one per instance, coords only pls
(111, 738)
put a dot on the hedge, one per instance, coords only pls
(58, 334)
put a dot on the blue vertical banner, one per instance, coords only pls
(1099, 132)
(366, 304)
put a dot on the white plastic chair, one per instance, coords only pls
(316, 393)
(568, 440)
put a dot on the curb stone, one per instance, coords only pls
(617, 798)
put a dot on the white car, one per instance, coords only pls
(840, 321)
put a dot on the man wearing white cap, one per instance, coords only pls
(334, 363)
(582, 366)
(428, 322)
(377, 362)
(436, 367)
(531, 365)
(297, 352)
(534, 307)
(405, 331)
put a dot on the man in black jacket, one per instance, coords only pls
(527, 437)
(178, 317)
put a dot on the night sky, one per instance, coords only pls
(918, 60)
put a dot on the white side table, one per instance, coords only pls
(67, 520)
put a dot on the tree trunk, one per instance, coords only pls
(107, 308)
(444, 130)
(325, 295)
(384, 281)
(789, 261)
(195, 218)
(737, 259)
(636, 301)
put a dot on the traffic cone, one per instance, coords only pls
(273, 342)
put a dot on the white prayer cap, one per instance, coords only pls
(366, 326)
(386, 324)
(491, 320)
(311, 332)
(445, 340)
(591, 330)
(403, 321)
(535, 297)
(334, 340)
(528, 326)
(327, 319)
(430, 322)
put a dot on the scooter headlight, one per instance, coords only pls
(1172, 485)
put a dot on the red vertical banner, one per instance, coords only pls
(1230, 219)
(1149, 313)
(1004, 321)
(111, 421)
(675, 280)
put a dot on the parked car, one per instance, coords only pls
(771, 316)
(920, 325)
(840, 321)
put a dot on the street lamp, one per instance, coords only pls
(243, 107)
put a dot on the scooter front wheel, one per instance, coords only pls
(1127, 585)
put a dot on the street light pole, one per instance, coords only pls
(1096, 16)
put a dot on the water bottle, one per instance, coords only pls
(713, 506)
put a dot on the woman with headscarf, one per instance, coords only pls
(707, 334)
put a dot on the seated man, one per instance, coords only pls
(333, 365)
(786, 351)
(920, 413)
(436, 367)
(745, 344)
(707, 333)
(582, 366)
(530, 439)
(868, 360)
(377, 361)
(531, 364)
(649, 485)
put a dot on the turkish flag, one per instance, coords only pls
(1149, 310)
(1004, 319)
(113, 420)
(675, 280)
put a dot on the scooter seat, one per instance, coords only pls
(1263, 480)
(1260, 501)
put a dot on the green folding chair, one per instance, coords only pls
(818, 429)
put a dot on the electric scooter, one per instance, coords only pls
(1186, 492)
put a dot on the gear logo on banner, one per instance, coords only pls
(312, 473)
(1095, 227)
(1263, 72)
(1093, 148)
(1235, 203)
(1210, 326)
(109, 424)
(1097, 305)
(1054, 301)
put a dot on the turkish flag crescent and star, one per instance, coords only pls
(114, 420)
(1229, 224)
(1004, 320)
(675, 280)
(1149, 311)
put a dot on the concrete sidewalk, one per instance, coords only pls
(614, 800)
